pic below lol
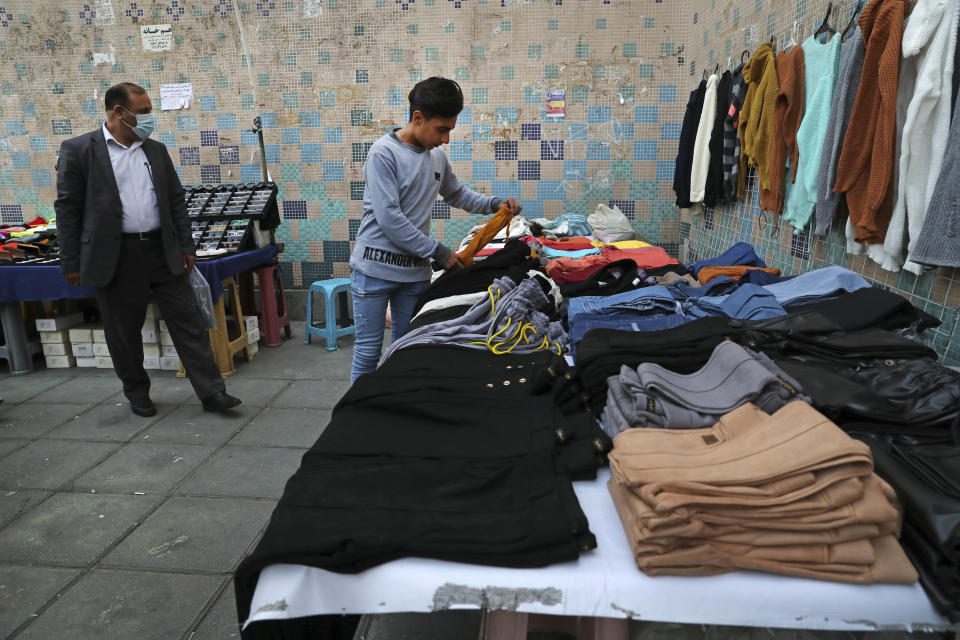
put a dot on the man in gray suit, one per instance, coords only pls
(123, 228)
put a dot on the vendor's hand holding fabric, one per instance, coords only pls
(514, 204)
(453, 262)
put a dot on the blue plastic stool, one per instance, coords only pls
(329, 330)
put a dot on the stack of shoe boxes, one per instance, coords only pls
(100, 351)
(151, 337)
(252, 326)
(89, 344)
(169, 361)
(82, 340)
(55, 339)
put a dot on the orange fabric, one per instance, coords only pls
(646, 258)
(706, 274)
(865, 170)
(756, 117)
(567, 244)
(499, 220)
(787, 113)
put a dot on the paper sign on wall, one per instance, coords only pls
(176, 96)
(312, 8)
(156, 37)
(103, 12)
(556, 103)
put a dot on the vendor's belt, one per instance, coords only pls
(142, 235)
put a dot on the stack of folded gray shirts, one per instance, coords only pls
(654, 397)
(507, 320)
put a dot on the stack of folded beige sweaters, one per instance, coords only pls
(786, 493)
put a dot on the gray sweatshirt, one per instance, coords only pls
(852, 52)
(402, 183)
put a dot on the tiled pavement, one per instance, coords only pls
(115, 526)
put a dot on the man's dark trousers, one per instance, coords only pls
(142, 271)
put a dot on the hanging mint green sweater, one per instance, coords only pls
(819, 82)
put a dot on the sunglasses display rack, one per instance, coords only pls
(231, 217)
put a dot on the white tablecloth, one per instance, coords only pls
(604, 582)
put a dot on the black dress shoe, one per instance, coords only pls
(219, 402)
(143, 407)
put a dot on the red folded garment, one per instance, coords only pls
(566, 275)
(567, 244)
(646, 257)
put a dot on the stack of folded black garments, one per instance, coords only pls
(513, 261)
(443, 452)
(926, 476)
(844, 333)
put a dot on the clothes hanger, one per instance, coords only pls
(792, 42)
(853, 20)
(773, 43)
(825, 25)
(746, 52)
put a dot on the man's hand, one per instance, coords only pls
(514, 205)
(72, 279)
(453, 262)
(188, 262)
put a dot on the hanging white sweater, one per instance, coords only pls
(701, 145)
(929, 46)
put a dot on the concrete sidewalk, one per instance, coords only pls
(116, 526)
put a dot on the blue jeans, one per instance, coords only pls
(370, 298)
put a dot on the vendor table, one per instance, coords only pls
(25, 283)
(604, 583)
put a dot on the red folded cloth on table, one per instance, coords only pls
(645, 257)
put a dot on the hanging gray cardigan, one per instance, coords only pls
(939, 241)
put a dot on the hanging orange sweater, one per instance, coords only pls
(865, 170)
(756, 117)
(788, 111)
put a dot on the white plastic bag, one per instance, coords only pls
(204, 300)
(610, 225)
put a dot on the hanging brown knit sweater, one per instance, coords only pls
(788, 111)
(865, 170)
(756, 118)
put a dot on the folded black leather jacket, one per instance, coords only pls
(900, 395)
(926, 477)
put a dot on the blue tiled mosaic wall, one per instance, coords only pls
(329, 77)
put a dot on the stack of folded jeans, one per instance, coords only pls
(748, 302)
(655, 308)
(786, 493)
(442, 452)
(652, 396)
(817, 285)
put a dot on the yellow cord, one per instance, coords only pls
(519, 333)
